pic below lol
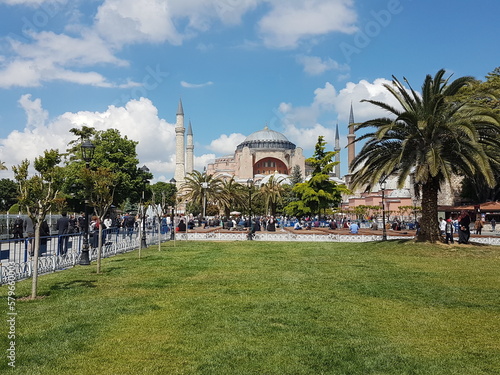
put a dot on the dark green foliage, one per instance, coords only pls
(433, 136)
(319, 192)
(8, 194)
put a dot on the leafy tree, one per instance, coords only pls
(432, 136)
(8, 194)
(475, 188)
(296, 177)
(37, 194)
(112, 152)
(319, 192)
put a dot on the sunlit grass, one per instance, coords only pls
(268, 308)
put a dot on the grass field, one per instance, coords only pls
(266, 308)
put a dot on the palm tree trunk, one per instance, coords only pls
(429, 224)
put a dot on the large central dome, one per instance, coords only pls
(267, 139)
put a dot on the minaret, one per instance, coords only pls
(179, 146)
(189, 150)
(337, 150)
(351, 151)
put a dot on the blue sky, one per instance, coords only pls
(238, 65)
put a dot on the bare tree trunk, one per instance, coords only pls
(159, 234)
(99, 249)
(429, 224)
(36, 248)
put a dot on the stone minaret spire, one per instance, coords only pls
(179, 146)
(337, 150)
(351, 151)
(189, 150)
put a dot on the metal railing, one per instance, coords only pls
(63, 251)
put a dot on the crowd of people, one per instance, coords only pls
(128, 224)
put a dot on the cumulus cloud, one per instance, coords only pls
(195, 85)
(288, 23)
(226, 144)
(306, 138)
(138, 120)
(303, 124)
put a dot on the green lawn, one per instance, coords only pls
(267, 308)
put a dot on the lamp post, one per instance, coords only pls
(173, 181)
(250, 185)
(144, 170)
(204, 186)
(384, 230)
(87, 149)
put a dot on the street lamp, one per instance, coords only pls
(384, 230)
(204, 186)
(144, 170)
(87, 149)
(250, 185)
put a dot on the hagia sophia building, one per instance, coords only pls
(267, 152)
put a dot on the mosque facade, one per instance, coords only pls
(267, 152)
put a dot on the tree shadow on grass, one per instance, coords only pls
(74, 284)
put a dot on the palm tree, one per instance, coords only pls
(200, 188)
(2, 166)
(432, 136)
(272, 193)
(232, 194)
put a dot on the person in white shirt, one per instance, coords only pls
(442, 225)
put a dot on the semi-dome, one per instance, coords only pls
(267, 139)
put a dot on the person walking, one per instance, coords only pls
(30, 233)
(442, 225)
(62, 227)
(44, 236)
(448, 230)
(478, 226)
(129, 223)
(493, 223)
(463, 228)
(18, 228)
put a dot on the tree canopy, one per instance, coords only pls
(319, 192)
(431, 135)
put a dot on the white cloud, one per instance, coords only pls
(131, 21)
(195, 85)
(43, 56)
(306, 138)
(303, 124)
(138, 120)
(288, 23)
(225, 145)
(36, 115)
(53, 56)
(314, 65)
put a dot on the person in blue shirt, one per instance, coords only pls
(354, 228)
